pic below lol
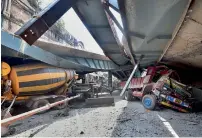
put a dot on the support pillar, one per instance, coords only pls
(109, 79)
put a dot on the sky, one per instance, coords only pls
(75, 27)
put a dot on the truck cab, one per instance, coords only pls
(139, 86)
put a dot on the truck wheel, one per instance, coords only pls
(149, 101)
(39, 103)
(128, 96)
(60, 106)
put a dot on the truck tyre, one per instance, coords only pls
(38, 104)
(149, 101)
(128, 95)
(60, 106)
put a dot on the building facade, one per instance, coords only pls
(15, 13)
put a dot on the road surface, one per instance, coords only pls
(124, 119)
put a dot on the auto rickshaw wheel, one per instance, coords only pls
(149, 101)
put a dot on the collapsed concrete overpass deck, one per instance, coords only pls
(153, 33)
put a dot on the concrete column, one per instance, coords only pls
(110, 79)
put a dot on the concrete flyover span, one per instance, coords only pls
(54, 54)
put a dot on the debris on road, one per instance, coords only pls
(81, 132)
(125, 119)
(193, 123)
(62, 113)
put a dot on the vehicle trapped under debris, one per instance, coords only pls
(161, 86)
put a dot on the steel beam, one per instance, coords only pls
(136, 34)
(91, 32)
(99, 64)
(106, 7)
(82, 12)
(111, 5)
(117, 74)
(87, 62)
(121, 4)
(124, 74)
(131, 76)
(40, 23)
(169, 36)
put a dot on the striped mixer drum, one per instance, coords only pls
(37, 79)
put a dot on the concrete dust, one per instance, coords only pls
(124, 119)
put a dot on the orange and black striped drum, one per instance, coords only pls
(35, 79)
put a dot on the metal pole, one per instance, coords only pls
(10, 120)
(9, 108)
(3, 100)
(129, 79)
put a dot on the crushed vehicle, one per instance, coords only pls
(160, 86)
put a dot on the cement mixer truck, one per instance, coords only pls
(35, 85)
